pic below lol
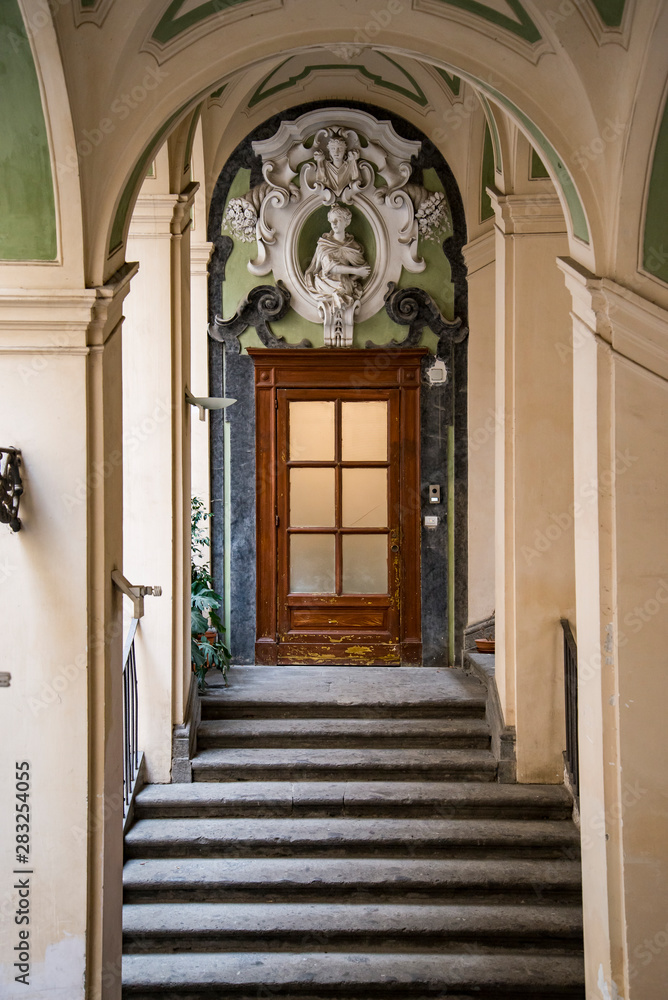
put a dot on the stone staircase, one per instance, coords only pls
(345, 837)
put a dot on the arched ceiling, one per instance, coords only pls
(145, 71)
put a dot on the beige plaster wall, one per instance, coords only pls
(44, 600)
(641, 624)
(482, 422)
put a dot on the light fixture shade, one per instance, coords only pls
(208, 402)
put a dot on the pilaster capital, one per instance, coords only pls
(536, 214)
(159, 216)
(634, 327)
(200, 255)
(480, 252)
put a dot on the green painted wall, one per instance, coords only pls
(486, 176)
(655, 243)
(435, 279)
(27, 202)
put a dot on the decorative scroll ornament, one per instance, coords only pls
(11, 487)
(415, 308)
(263, 304)
(347, 158)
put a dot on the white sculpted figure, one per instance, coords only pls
(340, 169)
(335, 278)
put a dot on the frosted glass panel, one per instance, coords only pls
(312, 498)
(364, 431)
(364, 499)
(312, 431)
(312, 564)
(364, 564)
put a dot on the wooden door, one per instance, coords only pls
(338, 512)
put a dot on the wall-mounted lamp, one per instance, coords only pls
(11, 487)
(207, 403)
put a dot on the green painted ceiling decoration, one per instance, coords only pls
(172, 22)
(453, 82)
(655, 243)
(611, 11)
(486, 176)
(379, 68)
(516, 20)
(538, 169)
(27, 202)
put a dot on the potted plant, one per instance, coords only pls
(207, 648)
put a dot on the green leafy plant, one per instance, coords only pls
(205, 650)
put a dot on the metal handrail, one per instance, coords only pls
(131, 755)
(130, 716)
(572, 752)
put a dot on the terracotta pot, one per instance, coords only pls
(485, 645)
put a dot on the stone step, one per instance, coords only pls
(345, 692)
(356, 880)
(355, 977)
(387, 733)
(324, 765)
(224, 707)
(429, 799)
(206, 927)
(343, 837)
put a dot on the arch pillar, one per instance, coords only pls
(156, 370)
(534, 479)
(60, 364)
(620, 389)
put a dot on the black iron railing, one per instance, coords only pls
(130, 716)
(571, 754)
(131, 754)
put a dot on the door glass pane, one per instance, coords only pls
(364, 498)
(312, 564)
(312, 498)
(312, 431)
(364, 564)
(364, 431)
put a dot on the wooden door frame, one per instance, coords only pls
(337, 368)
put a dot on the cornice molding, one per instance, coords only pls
(200, 256)
(159, 216)
(536, 214)
(635, 328)
(480, 252)
(62, 321)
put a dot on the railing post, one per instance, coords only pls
(572, 753)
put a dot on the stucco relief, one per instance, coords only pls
(337, 157)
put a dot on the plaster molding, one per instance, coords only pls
(158, 216)
(634, 328)
(480, 252)
(603, 33)
(483, 25)
(60, 321)
(200, 257)
(182, 216)
(346, 157)
(536, 214)
(202, 27)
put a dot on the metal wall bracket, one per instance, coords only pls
(136, 594)
(5, 679)
(11, 487)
